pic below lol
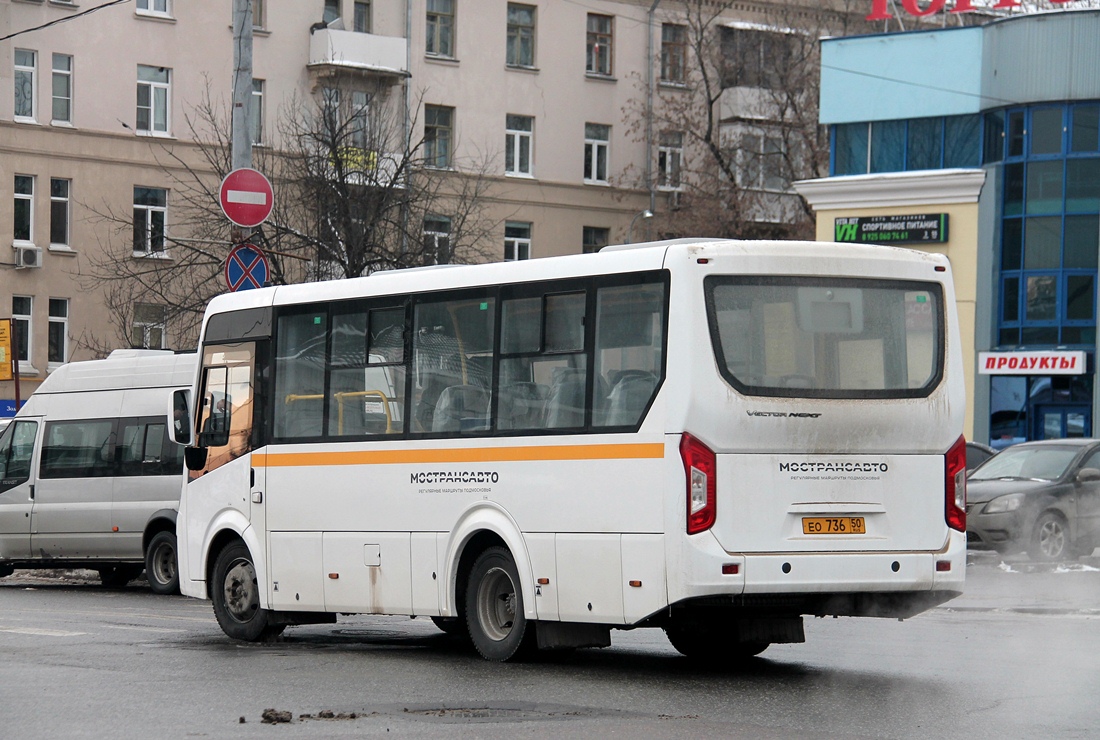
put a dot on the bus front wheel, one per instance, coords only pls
(235, 591)
(160, 564)
(494, 608)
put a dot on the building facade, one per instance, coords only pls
(108, 146)
(1016, 102)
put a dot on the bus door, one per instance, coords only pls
(223, 426)
(17, 481)
(1060, 421)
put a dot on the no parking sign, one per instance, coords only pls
(246, 268)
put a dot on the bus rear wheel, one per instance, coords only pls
(711, 645)
(160, 564)
(494, 608)
(235, 591)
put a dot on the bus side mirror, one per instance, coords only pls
(180, 414)
(194, 457)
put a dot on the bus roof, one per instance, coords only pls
(609, 260)
(121, 370)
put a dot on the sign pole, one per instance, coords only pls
(15, 360)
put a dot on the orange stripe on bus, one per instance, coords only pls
(467, 455)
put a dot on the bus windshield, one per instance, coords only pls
(822, 338)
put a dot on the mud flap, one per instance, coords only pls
(562, 635)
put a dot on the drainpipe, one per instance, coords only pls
(649, 107)
(406, 124)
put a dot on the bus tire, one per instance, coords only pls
(494, 608)
(6, 570)
(453, 626)
(117, 576)
(235, 592)
(160, 564)
(710, 646)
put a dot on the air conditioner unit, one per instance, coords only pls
(28, 257)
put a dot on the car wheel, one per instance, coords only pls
(1050, 538)
(160, 564)
(494, 608)
(235, 592)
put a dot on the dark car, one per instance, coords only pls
(1038, 497)
(976, 454)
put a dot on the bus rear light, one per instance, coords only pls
(955, 485)
(731, 569)
(943, 566)
(700, 465)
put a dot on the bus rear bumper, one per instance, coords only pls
(894, 584)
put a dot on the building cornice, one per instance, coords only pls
(893, 189)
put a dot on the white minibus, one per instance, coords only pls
(716, 438)
(89, 474)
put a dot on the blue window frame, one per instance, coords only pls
(1050, 228)
(913, 144)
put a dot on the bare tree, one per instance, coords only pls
(353, 192)
(734, 120)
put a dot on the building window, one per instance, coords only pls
(331, 12)
(153, 7)
(23, 208)
(752, 58)
(21, 306)
(670, 156)
(517, 241)
(517, 144)
(59, 212)
(360, 120)
(437, 240)
(762, 162)
(62, 88)
(25, 64)
(361, 18)
(520, 49)
(148, 328)
(438, 134)
(58, 352)
(598, 45)
(440, 39)
(673, 53)
(256, 113)
(150, 214)
(916, 144)
(153, 99)
(597, 138)
(258, 14)
(594, 238)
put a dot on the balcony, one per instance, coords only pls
(332, 51)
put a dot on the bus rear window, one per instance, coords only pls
(827, 338)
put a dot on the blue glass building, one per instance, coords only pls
(1019, 98)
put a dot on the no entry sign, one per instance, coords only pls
(246, 197)
(246, 268)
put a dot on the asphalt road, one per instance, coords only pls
(1015, 657)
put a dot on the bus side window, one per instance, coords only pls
(629, 342)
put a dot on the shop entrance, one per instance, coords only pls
(1061, 421)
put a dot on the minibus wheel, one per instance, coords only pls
(235, 591)
(117, 576)
(494, 608)
(160, 564)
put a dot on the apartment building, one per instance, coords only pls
(101, 119)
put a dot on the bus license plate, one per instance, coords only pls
(833, 525)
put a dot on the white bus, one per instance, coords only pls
(89, 476)
(712, 437)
